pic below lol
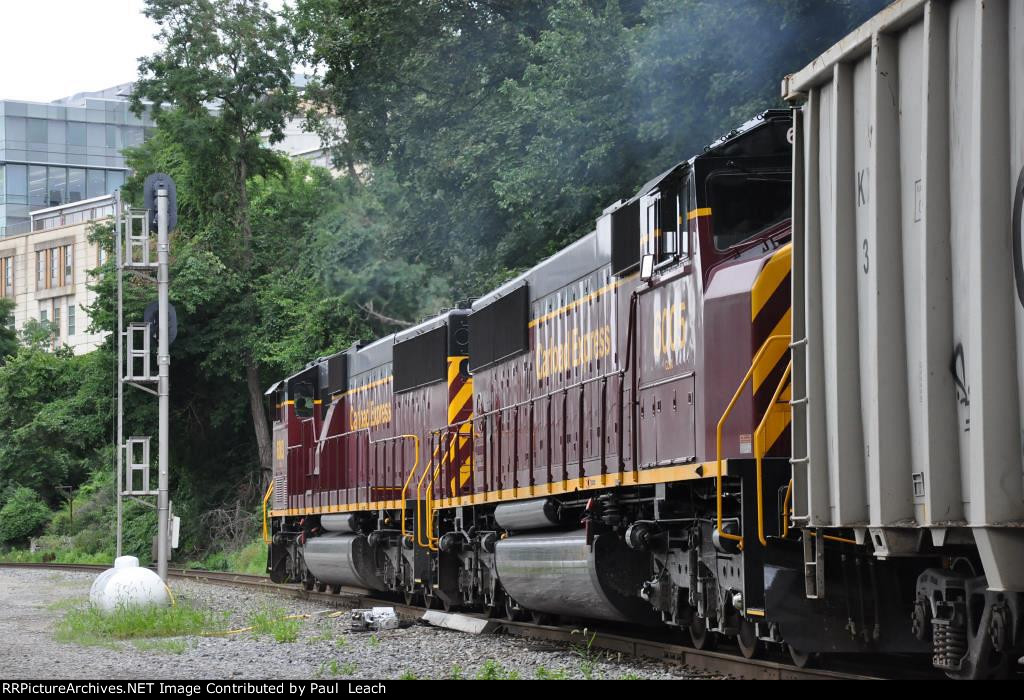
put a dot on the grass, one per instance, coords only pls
(169, 646)
(408, 676)
(333, 668)
(250, 559)
(457, 673)
(494, 671)
(373, 641)
(90, 626)
(68, 603)
(275, 623)
(544, 674)
(586, 653)
(629, 677)
(70, 556)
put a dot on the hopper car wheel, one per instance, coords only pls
(308, 582)
(336, 588)
(746, 639)
(702, 638)
(321, 586)
(802, 659)
(411, 597)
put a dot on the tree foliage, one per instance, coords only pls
(493, 133)
(225, 68)
(8, 336)
(24, 513)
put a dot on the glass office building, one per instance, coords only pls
(64, 151)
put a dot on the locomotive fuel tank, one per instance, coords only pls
(343, 560)
(559, 573)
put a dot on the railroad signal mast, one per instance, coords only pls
(133, 253)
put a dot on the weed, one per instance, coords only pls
(374, 641)
(274, 623)
(629, 677)
(170, 646)
(494, 671)
(544, 674)
(457, 673)
(408, 676)
(89, 626)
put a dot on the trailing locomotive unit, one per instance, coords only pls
(351, 433)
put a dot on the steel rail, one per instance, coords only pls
(607, 640)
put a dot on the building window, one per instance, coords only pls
(69, 277)
(41, 269)
(7, 277)
(95, 183)
(71, 318)
(53, 258)
(37, 198)
(44, 315)
(56, 320)
(76, 184)
(57, 183)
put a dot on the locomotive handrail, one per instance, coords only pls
(773, 340)
(266, 498)
(408, 479)
(760, 449)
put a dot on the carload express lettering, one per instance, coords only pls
(376, 413)
(578, 350)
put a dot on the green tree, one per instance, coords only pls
(491, 134)
(224, 72)
(8, 336)
(24, 514)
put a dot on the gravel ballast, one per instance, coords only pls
(34, 601)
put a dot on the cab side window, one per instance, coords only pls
(304, 404)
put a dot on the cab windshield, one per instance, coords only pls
(745, 204)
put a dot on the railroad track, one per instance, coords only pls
(627, 643)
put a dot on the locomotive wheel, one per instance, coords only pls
(308, 582)
(411, 597)
(540, 618)
(514, 613)
(702, 638)
(746, 639)
(802, 659)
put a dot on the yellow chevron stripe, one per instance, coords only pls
(775, 352)
(461, 399)
(780, 419)
(771, 276)
(454, 362)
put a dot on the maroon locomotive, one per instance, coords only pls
(605, 436)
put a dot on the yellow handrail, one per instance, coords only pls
(773, 340)
(266, 498)
(408, 479)
(785, 509)
(419, 489)
(760, 448)
(785, 520)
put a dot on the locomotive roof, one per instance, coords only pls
(588, 254)
(429, 324)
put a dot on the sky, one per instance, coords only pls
(55, 48)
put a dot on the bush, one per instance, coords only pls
(23, 515)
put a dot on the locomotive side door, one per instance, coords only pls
(665, 333)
